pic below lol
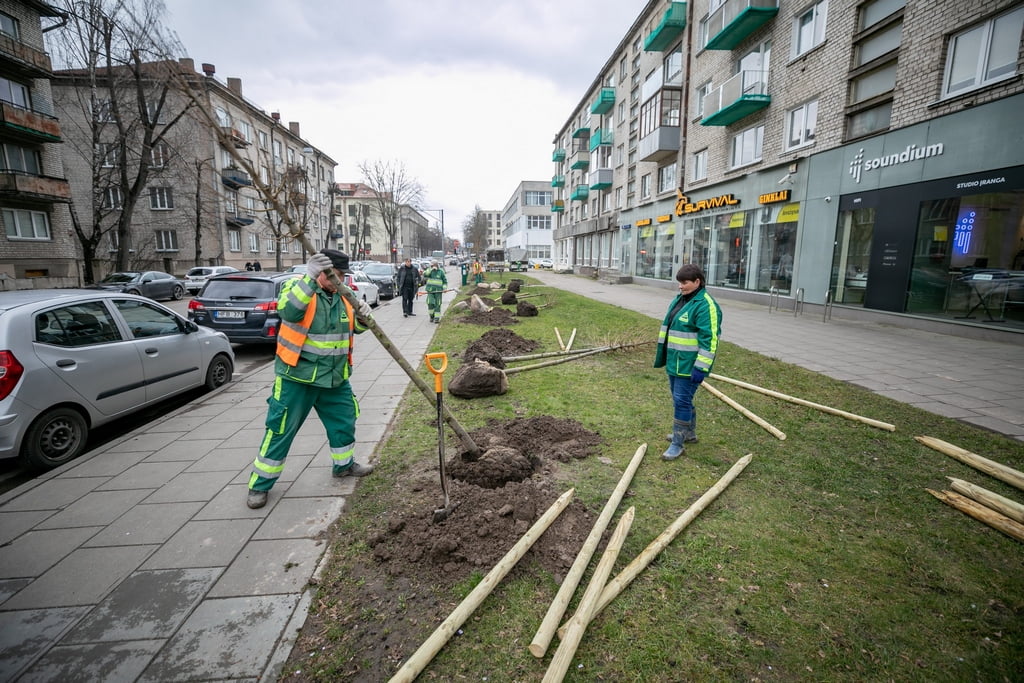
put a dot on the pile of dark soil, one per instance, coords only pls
(494, 344)
(496, 317)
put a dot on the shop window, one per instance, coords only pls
(776, 247)
(730, 259)
(851, 256)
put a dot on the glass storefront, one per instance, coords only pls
(853, 250)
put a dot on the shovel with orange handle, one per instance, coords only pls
(441, 513)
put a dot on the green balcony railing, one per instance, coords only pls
(558, 155)
(582, 132)
(601, 136)
(558, 205)
(604, 102)
(670, 28)
(731, 23)
(580, 193)
(580, 160)
(558, 181)
(738, 97)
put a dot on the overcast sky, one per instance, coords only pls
(467, 94)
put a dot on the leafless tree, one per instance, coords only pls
(474, 230)
(393, 187)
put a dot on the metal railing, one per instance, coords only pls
(798, 302)
(826, 313)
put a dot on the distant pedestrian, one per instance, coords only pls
(312, 368)
(408, 282)
(248, 266)
(478, 272)
(256, 265)
(437, 282)
(687, 344)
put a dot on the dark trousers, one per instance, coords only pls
(408, 297)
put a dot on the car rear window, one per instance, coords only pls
(198, 271)
(242, 288)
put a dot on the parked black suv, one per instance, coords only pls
(384, 276)
(242, 305)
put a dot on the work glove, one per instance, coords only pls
(364, 311)
(317, 264)
(697, 375)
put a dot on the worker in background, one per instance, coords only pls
(437, 282)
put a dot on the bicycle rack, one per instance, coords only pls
(826, 313)
(773, 298)
(798, 302)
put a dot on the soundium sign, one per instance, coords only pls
(860, 165)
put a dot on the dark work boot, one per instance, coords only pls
(353, 470)
(256, 499)
(676, 447)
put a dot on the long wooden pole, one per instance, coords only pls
(1000, 504)
(990, 467)
(429, 649)
(578, 624)
(568, 344)
(556, 610)
(809, 404)
(640, 562)
(551, 354)
(561, 344)
(997, 521)
(761, 422)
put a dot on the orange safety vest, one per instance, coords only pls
(296, 338)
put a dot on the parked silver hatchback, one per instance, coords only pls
(74, 359)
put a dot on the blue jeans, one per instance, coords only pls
(683, 389)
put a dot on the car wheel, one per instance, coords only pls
(54, 438)
(219, 373)
(133, 291)
(177, 292)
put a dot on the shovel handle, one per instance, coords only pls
(437, 372)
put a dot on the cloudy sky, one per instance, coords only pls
(467, 94)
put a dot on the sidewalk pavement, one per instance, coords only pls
(140, 561)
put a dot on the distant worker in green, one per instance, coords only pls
(437, 282)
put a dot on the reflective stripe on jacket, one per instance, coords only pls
(436, 280)
(689, 338)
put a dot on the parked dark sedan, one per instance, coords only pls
(153, 284)
(242, 305)
(383, 275)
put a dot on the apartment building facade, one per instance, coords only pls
(527, 219)
(39, 247)
(866, 154)
(495, 230)
(200, 205)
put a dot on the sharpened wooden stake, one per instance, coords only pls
(556, 610)
(578, 624)
(1005, 506)
(640, 562)
(997, 521)
(991, 467)
(809, 404)
(426, 652)
(568, 344)
(561, 344)
(761, 422)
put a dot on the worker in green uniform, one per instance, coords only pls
(437, 282)
(312, 368)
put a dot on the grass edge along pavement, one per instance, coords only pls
(826, 559)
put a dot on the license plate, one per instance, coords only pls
(229, 314)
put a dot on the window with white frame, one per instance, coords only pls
(14, 92)
(155, 111)
(161, 198)
(230, 201)
(538, 222)
(159, 155)
(167, 240)
(667, 178)
(113, 240)
(250, 205)
(264, 139)
(246, 130)
(983, 54)
(703, 92)
(809, 28)
(223, 118)
(700, 165)
(109, 153)
(254, 243)
(264, 175)
(645, 186)
(538, 198)
(618, 197)
(112, 198)
(746, 146)
(27, 225)
(234, 240)
(270, 244)
(18, 158)
(801, 124)
(103, 111)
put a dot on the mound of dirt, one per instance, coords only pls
(496, 317)
(503, 342)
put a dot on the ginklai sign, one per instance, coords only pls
(685, 206)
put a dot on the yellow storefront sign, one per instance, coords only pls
(790, 213)
(738, 219)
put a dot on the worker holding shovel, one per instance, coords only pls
(437, 282)
(687, 344)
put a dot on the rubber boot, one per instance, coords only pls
(676, 448)
(691, 433)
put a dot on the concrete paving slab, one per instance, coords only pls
(145, 441)
(316, 482)
(105, 465)
(9, 587)
(146, 524)
(82, 578)
(300, 518)
(98, 508)
(188, 449)
(270, 567)
(25, 634)
(145, 475)
(203, 544)
(52, 494)
(35, 552)
(108, 662)
(191, 486)
(14, 524)
(226, 459)
(223, 639)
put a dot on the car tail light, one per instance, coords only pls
(194, 305)
(266, 306)
(10, 372)
(272, 331)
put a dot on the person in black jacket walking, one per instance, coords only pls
(408, 282)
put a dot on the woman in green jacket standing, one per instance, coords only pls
(687, 344)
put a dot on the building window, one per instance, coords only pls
(112, 198)
(254, 243)
(878, 44)
(109, 153)
(645, 186)
(155, 111)
(234, 240)
(873, 12)
(161, 198)
(25, 224)
(801, 124)
(746, 147)
(667, 178)
(702, 94)
(700, 165)
(9, 26)
(661, 110)
(264, 139)
(230, 201)
(873, 83)
(868, 121)
(167, 240)
(809, 28)
(14, 92)
(537, 198)
(223, 118)
(984, 54)
(538, 222)
(246, 130)
(159, 155)
(103, 111)
(271, 245)
(22, 159)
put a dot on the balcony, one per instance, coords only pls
(235, 136)
(558, 205)
(583, 132)
(602, 136)
(580, 193)
(238, 220)
(235, 178)
(18, 185)
(558, 181)
(24, 59)
(738, 97)
(558, 155)
(601, 179)
(27, 125)
(736, 19)
(580, 160)
(660, 144)
(670, 28)
(604, 102)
